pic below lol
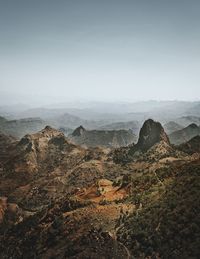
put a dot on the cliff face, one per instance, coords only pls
(103, 138)
(78, 131)
(151, 133)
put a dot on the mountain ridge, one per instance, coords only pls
(185, 134)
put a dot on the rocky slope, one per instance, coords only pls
(192, 146)
(6, 143)
(166, 225)
(153, 144)
(41, 154)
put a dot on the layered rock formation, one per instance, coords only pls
(103, 138)
(18, 128)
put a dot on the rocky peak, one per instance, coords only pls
(40, 141)
(151, 133)
(193, 126)
(48, 130)
(78, 131)
(38, 152)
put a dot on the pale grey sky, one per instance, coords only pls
(99, 50)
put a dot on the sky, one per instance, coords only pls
(99, 50)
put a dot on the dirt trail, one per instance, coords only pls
(114, 237)
(127, 251)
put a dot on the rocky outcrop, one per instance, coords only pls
(78, 131)
(10, 213)
(39, 153)
(151, 133)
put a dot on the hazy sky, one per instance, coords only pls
(60, 50)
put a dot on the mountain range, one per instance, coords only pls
(185, 134)
(102, 138)
(62, 200)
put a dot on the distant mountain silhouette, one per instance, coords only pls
(172, 126)
(103, 138)
(18, 128)
(185, 134)
(192, 146)
(78, 131)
